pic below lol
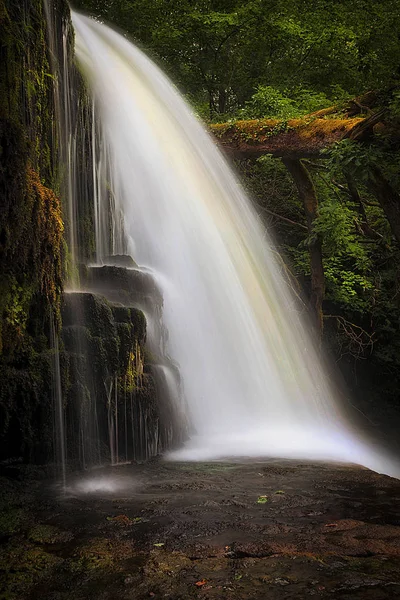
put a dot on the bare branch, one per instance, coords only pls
(359, 341)
(270, 212)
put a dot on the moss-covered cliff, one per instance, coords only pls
(31, 226)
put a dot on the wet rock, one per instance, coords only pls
(120, 260)
(104, 375)
(130, 287)
(236, 551)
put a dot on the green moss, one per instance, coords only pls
(48, 534)
(100, 554)
(12, 520)
(261, 130)
(21, 566)
(111, 336)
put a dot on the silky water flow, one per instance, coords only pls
(253, 381)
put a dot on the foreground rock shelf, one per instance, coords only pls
(275, 530)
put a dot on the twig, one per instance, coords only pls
(359, 339)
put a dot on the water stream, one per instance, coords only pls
(58, 408)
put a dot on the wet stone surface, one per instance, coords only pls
(275, 530)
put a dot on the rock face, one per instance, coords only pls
(131, 287)
(117, 402)
(119, 386)
(112, 408)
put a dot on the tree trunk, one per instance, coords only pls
(222, 100)
(388, 198)
(308, 196)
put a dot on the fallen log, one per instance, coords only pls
(294, 139)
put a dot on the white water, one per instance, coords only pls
(253, 381)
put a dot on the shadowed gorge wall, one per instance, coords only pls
(31, 227)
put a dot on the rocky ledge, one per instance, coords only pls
(276, 530)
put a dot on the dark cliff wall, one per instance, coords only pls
(31, 226)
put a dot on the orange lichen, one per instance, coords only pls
(48, 227)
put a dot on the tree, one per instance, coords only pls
(224, 53)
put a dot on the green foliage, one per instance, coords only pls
(347, 263)
(269, 102)
(346, 288)
(17, 306)
(308, 100)
(222, 53)
(336, 225)
(356, 158)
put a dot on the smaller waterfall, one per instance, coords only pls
(108, 222)
(59, 429)
(65, 109)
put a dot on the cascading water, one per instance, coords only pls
(253, 382)
(59, 428)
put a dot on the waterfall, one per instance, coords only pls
(253, 380)
(59, 429)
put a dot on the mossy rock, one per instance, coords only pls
(48, 534)
(87, 310)
(75, 336)
(22, 565)
(122, 314)
(12, 520)
(104, 344)
(101, 554)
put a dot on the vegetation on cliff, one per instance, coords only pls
(31, 226)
